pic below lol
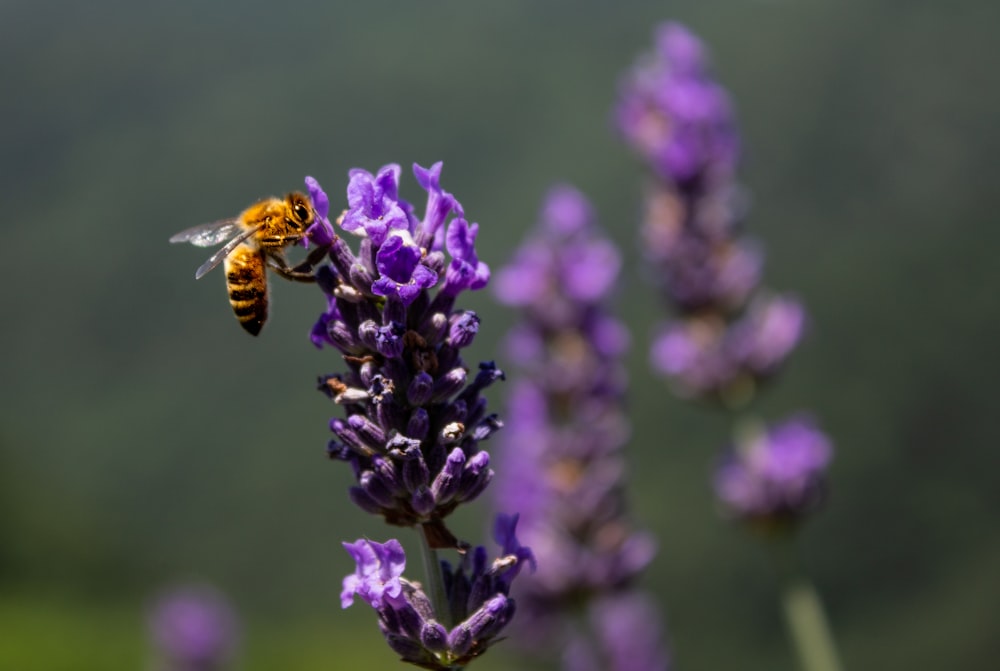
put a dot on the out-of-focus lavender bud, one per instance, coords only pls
(193, 628)
(775, 476)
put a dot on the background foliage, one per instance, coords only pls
(145, 439)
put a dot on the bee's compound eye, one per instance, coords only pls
(302, 212)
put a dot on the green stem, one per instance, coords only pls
(435, 581)
(805, 617)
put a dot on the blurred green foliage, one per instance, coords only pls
(145, 438)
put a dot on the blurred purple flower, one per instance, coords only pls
(726, 338)
(193, 628)
(775, 477)
(563, 469)
(675, 114)
(625, 633)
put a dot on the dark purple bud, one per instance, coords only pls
(348, 436)
(361, 277)
(415, 472)
(368, 373)
(376, 489)
(410, 621)
(389, 340)
(476, 475)
(369, 432)
(487, 620)
(385, 471)
(419, 424)
(435, 328)
(368, 332)
(390, 414)
(342, 338)
(434, 637)
(463, 329)
(446, 483)
(422, 501)
(342, 257)
(435, 262)
(448, 384)
(419, 392)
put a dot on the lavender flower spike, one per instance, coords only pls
(729, 335)
(775, 477)
(563, 469)
(414, 414)
(476, 591)
(193, 628)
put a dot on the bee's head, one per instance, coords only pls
(300, 211)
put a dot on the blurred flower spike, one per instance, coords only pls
(193, 628)
(563, 467)
(729, 334)
(414, 414)
(476, 595)
(775, 476)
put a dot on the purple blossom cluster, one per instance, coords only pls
(774, 476)
(477, 593)
(193, 628)
(563, 468)
(414, 415)
(729, 333)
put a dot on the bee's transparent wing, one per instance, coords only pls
(206, 235)
(223, 252)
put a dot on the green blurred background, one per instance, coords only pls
(145, 439)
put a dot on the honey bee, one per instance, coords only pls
(257, 239)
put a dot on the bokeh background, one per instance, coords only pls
(145, 439)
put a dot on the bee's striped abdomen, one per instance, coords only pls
(246, 281)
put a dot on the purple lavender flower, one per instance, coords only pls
(193, 628)
(477, 593)
(706, 356)
(674, 114)
(563, 468)
(776, 476)
(726, 338)
(625, 633)
(414, 414)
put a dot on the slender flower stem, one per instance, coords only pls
(435, 581)
(805, 617)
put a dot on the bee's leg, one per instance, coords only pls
(300, 273)
(312, 260)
